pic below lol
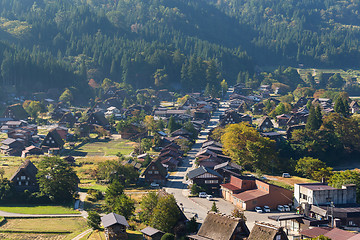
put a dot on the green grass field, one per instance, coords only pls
(45, 224)
(38, 209)
(105, 148)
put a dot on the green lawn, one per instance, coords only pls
(105, 148)
(38, 209)
(45, 225)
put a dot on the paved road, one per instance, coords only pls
(177, 183)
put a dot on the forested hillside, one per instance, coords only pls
(178, 44)
(313, 32)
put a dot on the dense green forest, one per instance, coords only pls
(177, 44)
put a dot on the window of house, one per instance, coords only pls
(149, 172)
(19, 183)
(23, 177)
(156, 172)
(52, 141)
(47, 141)
(152, 167)
(26, 183)
(278, 237)
(211, 181)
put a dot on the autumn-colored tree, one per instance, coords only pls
(248, 148)
(308, 165)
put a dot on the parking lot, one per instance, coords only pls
(227, 207)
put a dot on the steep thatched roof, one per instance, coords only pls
(18, 111)
(28, 168)
(265, 231)
(222, 227)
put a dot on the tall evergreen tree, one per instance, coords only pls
(313, 121)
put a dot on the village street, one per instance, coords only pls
(177, 184)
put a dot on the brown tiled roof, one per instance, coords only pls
(339, 234)
(250, 195)
(314, 232)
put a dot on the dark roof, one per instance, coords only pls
(265, 231)
(162, 170)
(29, 168)
(56, 136)
(100, 117)
(317, 186)
(230, 164)
(18, 111)
(113, 218)
(8, 141)
(201, 170)
(149, 231)
(263, 119)
(286, 217)
(221, 227)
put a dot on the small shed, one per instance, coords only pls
(115, 226)
(150, 233)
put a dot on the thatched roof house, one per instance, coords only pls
(221, 227)
(265, 231)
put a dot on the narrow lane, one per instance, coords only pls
(177, 184)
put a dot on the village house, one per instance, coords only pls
(205, 177)
(16, 112)
(354, 107)
(12, 147)
(31, 150)
(320, 201)
(266, 231)
(302, 101)
(228, 169)
(218, 226)
(98, 118)
(208, 161)
(25, 177)
(150, 233)
(68, 119)
(52, 143)
(115, 226)
(249, 192)
(155, 172)
(282, 120)
(265, 123)
(232, 117)
(170, 163)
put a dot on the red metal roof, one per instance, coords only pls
(250, 195)
(230, 187)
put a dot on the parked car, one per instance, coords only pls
(281, 208)
(154, 184)
(203, 194)
(287, 208)
(286, 175)
(266, 209)
(258, 209)
(209, 197)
